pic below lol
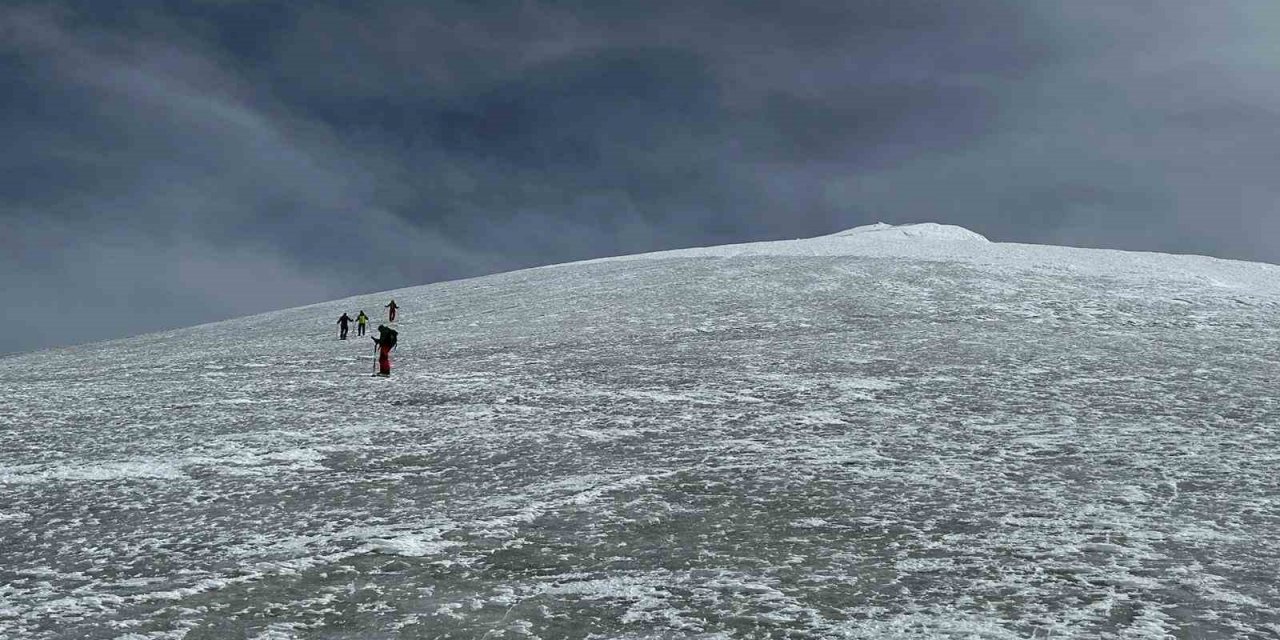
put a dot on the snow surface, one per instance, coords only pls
(925, 230)
(885, 433)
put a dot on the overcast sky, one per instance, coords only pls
(176, 162)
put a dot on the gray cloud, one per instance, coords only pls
(175, 162)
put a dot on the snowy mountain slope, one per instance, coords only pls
(910, 433)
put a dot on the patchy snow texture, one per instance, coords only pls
(880, 434)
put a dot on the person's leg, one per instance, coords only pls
(384, 361)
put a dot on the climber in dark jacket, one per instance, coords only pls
(342, 325)
(386, 341)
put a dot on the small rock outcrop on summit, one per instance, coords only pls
(892, 432)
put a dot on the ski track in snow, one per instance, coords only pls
(688, 446)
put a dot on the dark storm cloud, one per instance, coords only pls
(169, 162)
(1153, 127)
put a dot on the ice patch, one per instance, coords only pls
(301, 458)
(946, 624)
(925, 565)
(414, 545)
(864, 384)
(449, 610)
(100, 472)
(280, 631)
(810, 523)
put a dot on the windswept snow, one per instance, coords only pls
(885, 433)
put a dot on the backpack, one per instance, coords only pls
(389, 338)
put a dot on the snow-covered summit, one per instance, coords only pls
(919, 231)
(933, 242)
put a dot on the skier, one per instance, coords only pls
(391, 311)
(386, 341)
(361, 321)
(342, 325)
